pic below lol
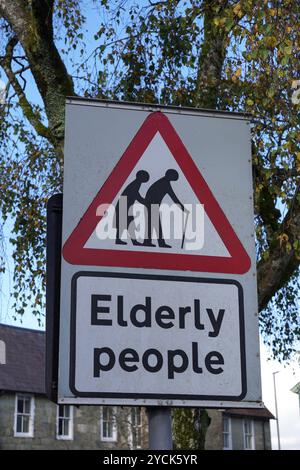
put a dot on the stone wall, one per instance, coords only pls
(214, 437)
(86, 427)
(262, 435)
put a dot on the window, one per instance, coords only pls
(24, 416)
(227, 443)
(64, 422)
(136, 428)
(248, 434)
(108, 424)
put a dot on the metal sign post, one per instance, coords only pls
(160, 428)
(53, 279)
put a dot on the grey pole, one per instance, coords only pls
(276, 409)
(160, 428)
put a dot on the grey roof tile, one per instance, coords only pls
(24, 370)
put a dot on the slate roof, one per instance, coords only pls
(24, 370)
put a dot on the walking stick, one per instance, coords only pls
(184, 228)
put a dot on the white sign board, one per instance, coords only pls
(177, 337)
(159, 299)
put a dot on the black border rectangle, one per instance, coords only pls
(155, 277)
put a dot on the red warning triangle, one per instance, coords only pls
(75, 250)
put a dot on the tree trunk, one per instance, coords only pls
(274, 272)
(34, 30)
(211, 59)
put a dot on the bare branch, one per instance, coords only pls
(24, 103)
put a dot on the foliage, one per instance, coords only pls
(31, 173)
(184, 431)
(190, 427)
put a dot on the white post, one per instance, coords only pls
(276, 409)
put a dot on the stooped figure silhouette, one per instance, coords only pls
(153, 199)
(130, 195)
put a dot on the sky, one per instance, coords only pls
(287, 401)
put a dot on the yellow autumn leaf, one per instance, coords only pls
(288, 50)
(283, 238)
(271, 41)
(298, 161)
(287, 145)
(238, 72)
(238, 10)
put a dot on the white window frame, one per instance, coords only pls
(131, 426)
(2, 352)
(30, 432)
(114, 436)
(228, 432)
(70, 436)
(245, 435)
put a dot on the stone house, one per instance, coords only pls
(239, 429)
(28, 420)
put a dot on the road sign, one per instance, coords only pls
(155, 151)
(158, 287)
(175, 336)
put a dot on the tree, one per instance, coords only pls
(221, 54)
